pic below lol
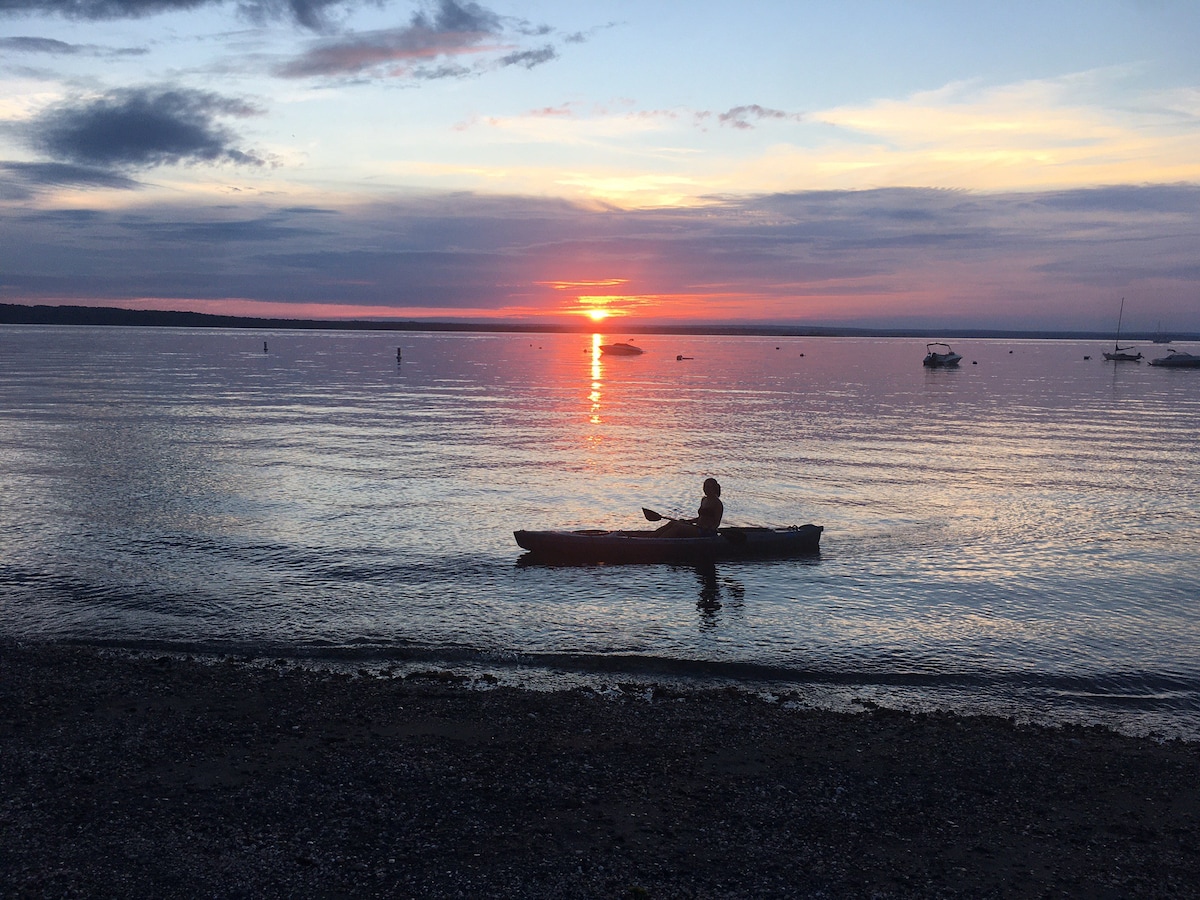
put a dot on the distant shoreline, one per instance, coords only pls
(19, 314)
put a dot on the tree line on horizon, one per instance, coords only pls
(20, 314)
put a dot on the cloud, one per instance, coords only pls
(529, 58)
(62, 48)
(452, 16)
(434, 73)
(563, 109)
(894, 257)
(23, 178)
(742, 116)
(142, 127)
(451, 29)
(99, 9)
(269, 228)
(312, 14)
(38, 45)
(1027, 137)
(1118, 200)
(1040, 134)
(441, 29)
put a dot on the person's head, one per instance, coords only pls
(711, 488)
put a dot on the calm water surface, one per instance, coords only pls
(1020, 535)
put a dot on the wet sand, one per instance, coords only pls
(137, 775)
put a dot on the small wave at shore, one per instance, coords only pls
(1136, 703)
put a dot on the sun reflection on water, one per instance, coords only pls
(594, 396)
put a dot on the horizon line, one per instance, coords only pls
(69, 314)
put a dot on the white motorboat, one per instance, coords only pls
(621, 348)
(940, 356)
(1177, 359)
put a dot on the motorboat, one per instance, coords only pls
(621, 348)
(592, 546)
(940, 356)
(1177, 359)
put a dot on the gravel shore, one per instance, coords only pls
(135, 775)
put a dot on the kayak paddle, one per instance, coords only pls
(733, 535)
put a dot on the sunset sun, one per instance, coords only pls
(597, 315)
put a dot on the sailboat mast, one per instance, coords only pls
(1118, 353)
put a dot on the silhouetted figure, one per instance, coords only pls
(264, 346)
(707, 520)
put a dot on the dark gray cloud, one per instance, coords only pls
(529, 58)
(142, 127)
(21, 181)
(746, 116)
(436, 73)
(38, 45)
(99, 9)
(53, 47)
(450, 28)
(455, 17)
(270, 228)
(313, 14)
(1118, 199)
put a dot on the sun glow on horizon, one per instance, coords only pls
(596, 307)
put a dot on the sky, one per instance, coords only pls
(902, 164)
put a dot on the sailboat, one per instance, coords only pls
(1119, 353)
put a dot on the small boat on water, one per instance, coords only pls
(1119, 353)
(940, 356)
(592, 546)
(1177, 359)
(621, 348)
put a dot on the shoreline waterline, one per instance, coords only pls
(1130, 705)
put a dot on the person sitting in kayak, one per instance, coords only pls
(708, 518)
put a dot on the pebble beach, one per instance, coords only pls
(135, 774)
